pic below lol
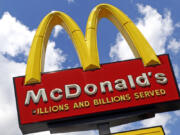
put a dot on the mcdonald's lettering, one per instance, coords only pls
(119, 85)
(77, 97)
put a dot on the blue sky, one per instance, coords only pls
(158, 20)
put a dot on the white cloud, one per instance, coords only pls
(90, 132)
(177, 25)
(8, 111)
(154, 26)
(15, 39)
(177, 113)
(70, 1)
(121, 50)
(57, 30)
(54, 58)
(75, 66)
(174, 45)
(14, 36)
(9, 122)
(160, 119)
(122, 128)
(176, 70)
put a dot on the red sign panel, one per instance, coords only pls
(116, 86)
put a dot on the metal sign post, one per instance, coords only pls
(104, 129)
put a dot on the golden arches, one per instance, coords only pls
(138, 44)
(36, 57)
(86, 47)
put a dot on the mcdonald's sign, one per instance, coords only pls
(78, 99)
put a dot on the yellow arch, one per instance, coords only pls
(86, 47)
(138, 44)
(35, 63)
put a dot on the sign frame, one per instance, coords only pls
(115, 117)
